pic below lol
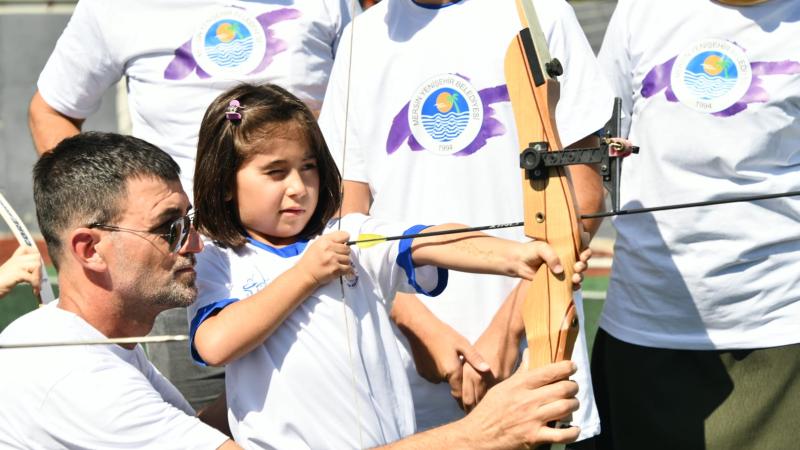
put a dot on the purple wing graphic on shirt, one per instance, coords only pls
(714, 76)
(230, 43)
(447, 115)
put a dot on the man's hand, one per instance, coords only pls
(24, 266)
(515, 413)
(438, 350)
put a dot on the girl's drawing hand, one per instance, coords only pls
(327, 257)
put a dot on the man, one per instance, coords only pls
(117, 225)
(114, 217)
(699, 344)
(429, 112)
(200, 49)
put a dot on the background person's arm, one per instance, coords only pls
(48, 126)
(588, 186)
(356, 199)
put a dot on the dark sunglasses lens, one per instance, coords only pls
(174, 235)
(179, 233)
(175, 238)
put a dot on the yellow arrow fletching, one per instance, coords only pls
(367, 240)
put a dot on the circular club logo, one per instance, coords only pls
(445, 114)
(711, 75)
(229, 43)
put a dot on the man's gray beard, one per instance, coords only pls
(177, 296)
(180, 293)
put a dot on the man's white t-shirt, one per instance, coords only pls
(88, 397)
(177, 56)
(713, 97)
(330, 376)
(430, 128)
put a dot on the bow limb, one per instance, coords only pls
(549, 314)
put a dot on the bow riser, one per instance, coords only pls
(548, 312)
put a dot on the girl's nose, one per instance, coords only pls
(295, 185)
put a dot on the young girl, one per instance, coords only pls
(312, 361)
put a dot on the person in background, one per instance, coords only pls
(699, 345)
(431, 137)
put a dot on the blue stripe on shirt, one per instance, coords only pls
(405, 261)
(202, 314)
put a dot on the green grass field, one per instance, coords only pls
(594, 289)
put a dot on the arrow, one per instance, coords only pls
(370, 240)
(109, 341)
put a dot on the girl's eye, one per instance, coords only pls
(276, 172)
(310, 165)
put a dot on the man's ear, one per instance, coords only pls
(83, 243)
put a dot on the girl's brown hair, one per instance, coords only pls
(226, 142)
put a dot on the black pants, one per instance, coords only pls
(651, 398)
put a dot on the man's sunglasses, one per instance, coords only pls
(176, 237)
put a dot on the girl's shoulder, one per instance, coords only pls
(350, 223)
(213, 250)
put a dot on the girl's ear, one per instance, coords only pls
(230, 190)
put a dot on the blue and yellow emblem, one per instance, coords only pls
(711, 75)
(228, 43)
(445, 114)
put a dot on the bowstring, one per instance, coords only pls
(345, 305)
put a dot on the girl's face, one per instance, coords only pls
(277, 189)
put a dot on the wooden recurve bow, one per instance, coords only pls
(549, 313)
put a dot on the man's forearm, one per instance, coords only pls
(48, 126)
(450, 436)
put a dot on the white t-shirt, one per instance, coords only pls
(177, 56)
(88, 397)
(302, 388)
(409, 57)
(713, 93)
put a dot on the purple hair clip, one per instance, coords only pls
(232, 113)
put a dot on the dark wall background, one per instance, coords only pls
(28, 33)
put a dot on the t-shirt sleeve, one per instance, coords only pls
(213, 291)
(110, 404)
(341, 12)
(82, 66)
(615, 61)
(390, 263)
(586, 98)
(334, 118)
